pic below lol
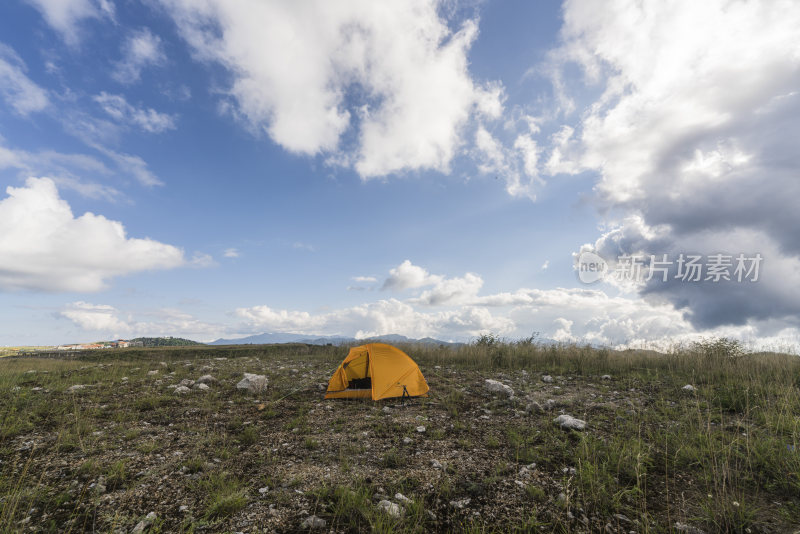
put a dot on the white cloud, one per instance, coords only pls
(130, 164)
(202, 260)
(98, 134)
(563, 314)
(19, 92)
(104, 321)
(693, 136)
(147, 119)
(44, 247)
(545, 265)
(407, 275)
(452, 291)
(517, 165)
(95, 317)
(377, 318)
(297, 245)
(306, 73)
(66, 170)
(230, 253)
(140, 50)
(65, 16)
(367, 281)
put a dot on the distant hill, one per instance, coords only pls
(163, 341)
(284, 337)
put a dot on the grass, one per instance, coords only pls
(724, 458)
(224, 495)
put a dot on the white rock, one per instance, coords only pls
(386, 409)
(399, 497)
(688, 529)
(421, 429)
(569, 422)
(187, 382)
(263, 490)
(547, 378)
(253, 383)
(606, 377)
(182, 390)
(390, 508)
(152, 373)
(183, 508)
(201, 387)
(435, 464)
(313, 522)
(534, 407)
(407, 440)
(460, 504)
(76, 388)
(206, 379)
(144, 523)
(498, 387)
(690, 388)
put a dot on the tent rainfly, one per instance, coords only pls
(376, 371)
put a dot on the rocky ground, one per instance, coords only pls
(195, 444)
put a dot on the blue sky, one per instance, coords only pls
(360, 168)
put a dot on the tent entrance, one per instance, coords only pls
(360, 383)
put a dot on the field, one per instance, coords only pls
(126, 453)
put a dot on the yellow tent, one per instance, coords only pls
(376, 371)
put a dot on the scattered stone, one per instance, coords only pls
(253, 383)
(154, 372)
(605, 377)
(547, 378)
(622, 518)
(461, 504)
(569, 422)
(690, 388)
(688, 529)
(498, 387)
(182, 390)
(186, 382)
(313, 522)
(263, 490)
(183, 508)
(206, 379)
(421, 429)
(407, 440)
(200, 387)
(436, 465)
(390, 508)
(534, 407)
(399, 497)
(76, 388)
(144, 523)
